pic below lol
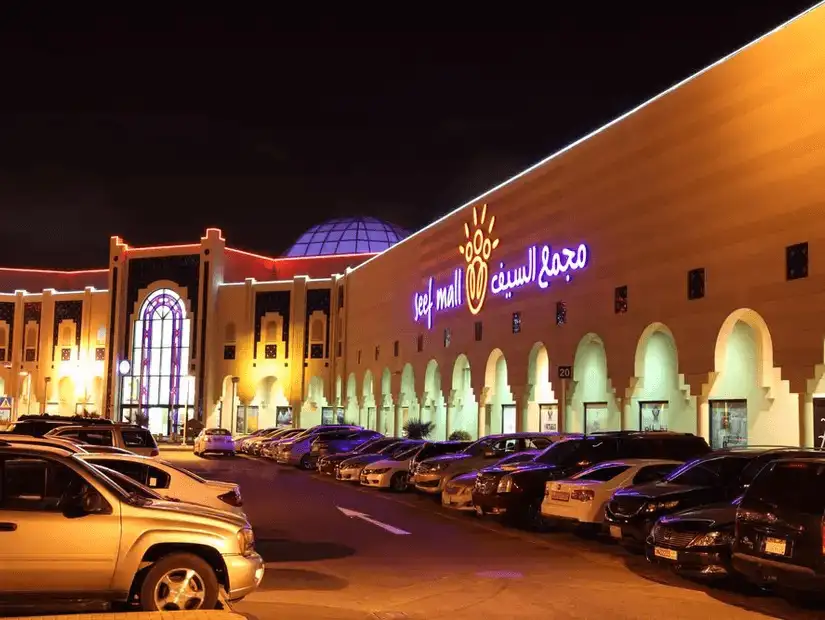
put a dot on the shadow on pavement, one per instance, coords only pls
(299, 579)
(284, 550)
(736, 594)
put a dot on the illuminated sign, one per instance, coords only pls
(469, 285)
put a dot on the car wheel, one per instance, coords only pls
(399, 482)
(304, 464)
(179, 582)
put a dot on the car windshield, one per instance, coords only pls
(404, 454)
(372, 445)
(391, 447)
(698, 472)
(477, 446)
(560, 451)
(185, 472)
(110, 484)
(129, 485)
(218, 431)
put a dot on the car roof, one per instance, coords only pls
(56, 442)
(120, 425)
(32, 449)
(637, 462)
(755, 451)
(818, 459)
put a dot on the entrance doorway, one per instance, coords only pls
(508, 419)
(728, 423)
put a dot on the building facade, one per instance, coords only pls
(665, 272)
(201, 331)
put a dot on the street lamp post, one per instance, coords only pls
(233, 410)
(123, 369)
(47, 381)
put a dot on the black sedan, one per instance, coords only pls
(327, 464)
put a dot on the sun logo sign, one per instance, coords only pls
(477, 251)
(536, 267)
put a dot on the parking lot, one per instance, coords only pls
(336, 550)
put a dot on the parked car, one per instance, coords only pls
(169, 479)
(254, 445)
(350, 469)
(55, 442)
(268, 446)
(39, 425)
(716, 477)
(242, 442)
(127, 436)
(695, 543)
(214, 440)
(394, 472)
(295, 451)
(111, 543)
(444, 448)
(582, 498)
(345, 441)
(329, 464)
(780, 526)
(458, 492)
(518, 493)
(431, 475)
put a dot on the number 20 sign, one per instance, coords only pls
(565, 372)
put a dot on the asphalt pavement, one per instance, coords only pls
(339, 551)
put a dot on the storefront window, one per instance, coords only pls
(508, 418)
(327, 415)
(549, 418)
(595, 417)
(653, 416)
(728, 423)
(283, 416)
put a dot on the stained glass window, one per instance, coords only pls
(347, 236)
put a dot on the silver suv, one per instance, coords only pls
(67, 531)
(125, 436)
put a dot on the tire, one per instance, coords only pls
(399, 482)
(173, 567)
(304, 464)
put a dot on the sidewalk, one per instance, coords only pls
(174, 447)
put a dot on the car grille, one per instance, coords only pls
(672, 538)
(627, 506)
(486, 484)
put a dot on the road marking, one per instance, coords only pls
(354, 514)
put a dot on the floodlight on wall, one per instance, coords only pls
(124, 367)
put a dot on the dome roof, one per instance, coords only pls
(348, 235)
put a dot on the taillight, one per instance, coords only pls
(233, 498)
(583, 495)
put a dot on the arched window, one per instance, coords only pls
(31, 336)
(4, 337)
(65, 335)
(271, 331)
(160, 359)
(316, 331)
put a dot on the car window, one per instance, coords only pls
(37, 484)
(138, 438)
(135, 471)
(217, 431)
(536, 443)
(721, 471)
(603, 474)
(96, 437)
(652, 473)
(128, 484)
(157, 478)
(796, 486)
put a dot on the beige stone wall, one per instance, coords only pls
(723, 173)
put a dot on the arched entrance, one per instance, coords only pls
(315, 409)
(160, 386)
(660, 400)
(387, 425)
(500, 411)
(351, 408)
(368, 409)
(748, 403)
(434, 409)
(463, 414)
(592, 403)
(542, 411)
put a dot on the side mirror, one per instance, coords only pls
(89, 502)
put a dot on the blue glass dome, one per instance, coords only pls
(350, 235)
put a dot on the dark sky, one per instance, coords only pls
(156, 128)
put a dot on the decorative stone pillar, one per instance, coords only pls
(483, 400)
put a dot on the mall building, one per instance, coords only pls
(666, 271)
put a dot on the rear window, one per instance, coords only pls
(138, 438)
(218, 431)
(797, 486)
(603, 474)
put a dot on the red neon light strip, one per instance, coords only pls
(53, 271)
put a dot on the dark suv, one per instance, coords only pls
(340, 441)
(519, 492)
(39, 425)
(780, 526)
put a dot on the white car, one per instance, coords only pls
(583, 497)
(214, 440)
(173, 481)
(392, 473)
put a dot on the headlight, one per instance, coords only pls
(657, 506)
(380, 470)
(712, 539)
(246, 541)
(505, 485)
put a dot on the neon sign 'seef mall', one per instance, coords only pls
(671, 260)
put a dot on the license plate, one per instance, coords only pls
(615, 531)
(668, 554)
(561, 496)
(775, 546)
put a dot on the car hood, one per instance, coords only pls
(446, 458)
(657, 490)
(196, 510)
(362, 460)
(466, 480)
(391, 464)
(524, 468)
(706, 518)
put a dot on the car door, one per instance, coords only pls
(42, 550)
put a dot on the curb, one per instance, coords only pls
(143, 615)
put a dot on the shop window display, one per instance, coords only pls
(653, 416)
(596, 417)
(728, 423)
(549, 418)
(283, 416)
(508, 419)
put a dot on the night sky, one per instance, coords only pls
(158, 127)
